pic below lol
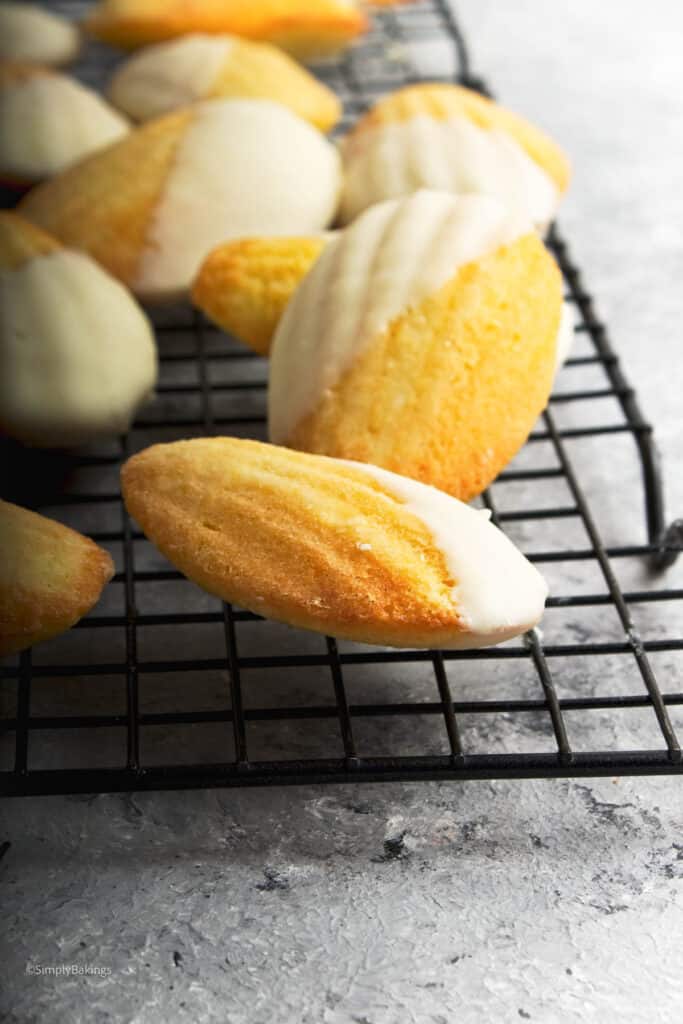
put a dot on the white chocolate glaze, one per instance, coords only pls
(455, 155)
(48, 122)
(29, 33)
(497, 592)
(244, 167)
(77, 354)
(169, 75)
(395, 255)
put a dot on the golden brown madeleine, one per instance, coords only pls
(423, 340)
(30, 33)
(169, 75)
(50, 577)
(305, 28)
(77, 354)
(244, 286)
(48, 122)
(336, 547)
(151, 207)
(450, 138)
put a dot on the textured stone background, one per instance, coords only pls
(548, 901)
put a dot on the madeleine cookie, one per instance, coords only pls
(49, 121)
(29, 33)
(170, 75)
(423, 340)
(151, 207)
(449, 138)
(244, 286)
(305, 28)
(77, 354)
(50, 577)
(333, 546)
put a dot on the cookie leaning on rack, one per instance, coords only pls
(245, 286)
(336, 547)
(424, 340)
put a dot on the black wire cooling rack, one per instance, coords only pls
(163, 687)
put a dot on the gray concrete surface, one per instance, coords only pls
(504, 901)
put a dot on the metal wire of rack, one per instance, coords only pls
(163, 687)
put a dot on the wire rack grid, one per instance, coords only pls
(163, 687)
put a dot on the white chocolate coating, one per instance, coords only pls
(77, 354)
(48, 122)
(394, 256)
(455, 155)
(244, 167)
(497, 592)
(169, 75)
(29, 33)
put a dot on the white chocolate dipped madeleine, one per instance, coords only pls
(305, 28)
(30, 33)
(152, 206)
(77, 354)
(174, 74)
(333, 546)
(48, 122)
(244, 287)
(446, 137)
(50, 577)
(423, 340)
